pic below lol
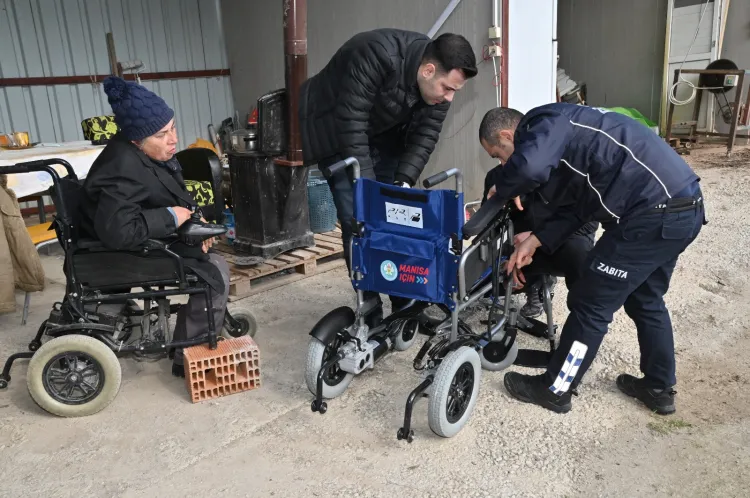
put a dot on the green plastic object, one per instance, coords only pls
(633, 113)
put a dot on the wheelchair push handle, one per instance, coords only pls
(349, 161)
(439, 178)
(40, 165)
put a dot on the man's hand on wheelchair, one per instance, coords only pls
(523, 255)
(520, 237)
(516, 200)
(208, 243)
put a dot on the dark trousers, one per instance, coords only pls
(343, 197)
(631, 266)
(192, 320)
(568, 261)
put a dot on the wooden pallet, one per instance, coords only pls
(326, 255)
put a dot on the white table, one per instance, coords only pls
(80, 155)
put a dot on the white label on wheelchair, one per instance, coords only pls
(404, 215)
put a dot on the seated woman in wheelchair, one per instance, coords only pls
(534, 209)
(135, 191)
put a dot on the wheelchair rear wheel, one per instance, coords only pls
(454, 391)
(73, 376)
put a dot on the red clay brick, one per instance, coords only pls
(234, 366)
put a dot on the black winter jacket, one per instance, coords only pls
(368, 93)
(124, 202)
(538, 206)
(127, 195)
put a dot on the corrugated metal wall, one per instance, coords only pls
(254, 36)
(68, 38)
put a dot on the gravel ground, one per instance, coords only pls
(153, 442)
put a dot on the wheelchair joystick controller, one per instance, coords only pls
(194, 231)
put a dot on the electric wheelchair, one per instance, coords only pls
(410, 243)
(76, 371)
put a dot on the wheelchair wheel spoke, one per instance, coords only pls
(451, 408)
(73, 378)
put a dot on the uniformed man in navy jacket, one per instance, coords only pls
(651, 208)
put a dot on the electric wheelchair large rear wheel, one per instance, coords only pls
(73, 376)
(454, 391)
(335, 380)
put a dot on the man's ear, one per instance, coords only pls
(507, 135)
(427, 70)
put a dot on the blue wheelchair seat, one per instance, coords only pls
(405, 245)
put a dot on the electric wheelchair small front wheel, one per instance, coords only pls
(454, 391)
(73, 376)
(496, 356)
(406, 335)
(247, 325)
(335, 380)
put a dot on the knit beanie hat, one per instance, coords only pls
(139, 112)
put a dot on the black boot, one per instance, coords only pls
(534, 389)
(660, 401)
(374, 317)
(178, 370)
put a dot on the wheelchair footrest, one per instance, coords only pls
(234, 366)
(532, 327)
(532, 358)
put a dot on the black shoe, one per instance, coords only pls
(534, 389)
(660, 401)
(375, 317)
(178, 370)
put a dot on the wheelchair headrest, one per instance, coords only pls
(479, 221)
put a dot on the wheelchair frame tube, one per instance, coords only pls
(349, 161)
(46, 166)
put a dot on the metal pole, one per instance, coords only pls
(295, 58)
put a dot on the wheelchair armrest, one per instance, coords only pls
(163, 247)
(483, 217)
(153, 245)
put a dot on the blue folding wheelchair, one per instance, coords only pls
(410, 243)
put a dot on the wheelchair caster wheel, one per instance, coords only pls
(409, 438)
(3, 383)
(322, 408)
(34, 345)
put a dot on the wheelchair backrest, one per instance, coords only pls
(420, 214)
(406, 240)
(67, 223)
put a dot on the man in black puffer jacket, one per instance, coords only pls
(382, 98)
